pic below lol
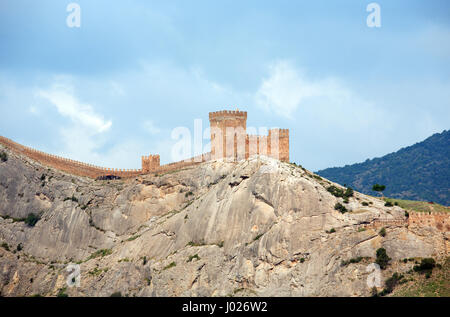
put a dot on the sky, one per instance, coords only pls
(116, 87)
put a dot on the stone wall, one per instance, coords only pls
(229, 138)
(439, 220)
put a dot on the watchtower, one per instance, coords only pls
(228, 133)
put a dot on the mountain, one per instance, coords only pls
(257, 227)
(417, 172)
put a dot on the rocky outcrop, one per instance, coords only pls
(253, 227)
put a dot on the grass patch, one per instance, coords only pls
(100, 253)
(419, 206)
(171, 265)
(133, 237)
(97, 271)
(192, 257)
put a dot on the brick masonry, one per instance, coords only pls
(229, 139)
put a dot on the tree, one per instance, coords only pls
(379, 188)
(382, 258)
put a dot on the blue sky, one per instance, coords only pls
(114, 89)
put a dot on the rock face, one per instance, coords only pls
(255, 227)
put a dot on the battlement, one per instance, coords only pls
(281, 132)
(236, 144)
(228, 114)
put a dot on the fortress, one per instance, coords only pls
(229, 140)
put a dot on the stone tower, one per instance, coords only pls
(228, 134)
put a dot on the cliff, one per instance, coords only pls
(256, 227)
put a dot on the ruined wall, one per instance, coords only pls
(438, 220)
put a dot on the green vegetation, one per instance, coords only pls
(19, 247)
(144, 260)
(340, 208)
(382, 258)
(3, 156)
(116, 294)
(361, 229)
(352, 260)
(123, 260)
(382, 232)
(258, 237)
(220, 244)
(96, 271)
(5, 246)
(437, 285)
(133, 237)
(418, 172)
(390, 283)
(195, 256)
(171, 265)
(332, 230)
(32, 219)
(388, 204)
(339, 192)
(189, 194)
(379, 188)
(62, 292)
(73, 198)
(100, 253)
(426, 266)
(195, 244)
(365, 203)
(419, 206)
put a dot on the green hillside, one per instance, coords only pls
(417, 172)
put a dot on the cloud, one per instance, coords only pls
(67, 105)
(284, 90)
(150, 127)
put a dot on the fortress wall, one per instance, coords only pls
(439, 220)
(64, 164)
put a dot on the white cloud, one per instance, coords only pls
(67, 104)
(284, 90)
(150, 127)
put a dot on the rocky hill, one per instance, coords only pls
(417, 172)
(255, 227)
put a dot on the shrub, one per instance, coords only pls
(364, 203)
(378, 188)
(5, 246)
(144, 260)
(382, 258)
(340, 208)
(116, 294)
(382, 232)
(3, 156)
(73, 198)
(302, 260)
(348, 192)
(43, 177)
(390, 283)
(19, 247)
(426, 266)
(337, 192)
(332, 230)
(188, 194)
(388, 204)
(406, 214)
(32, 219)
(195, 256)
